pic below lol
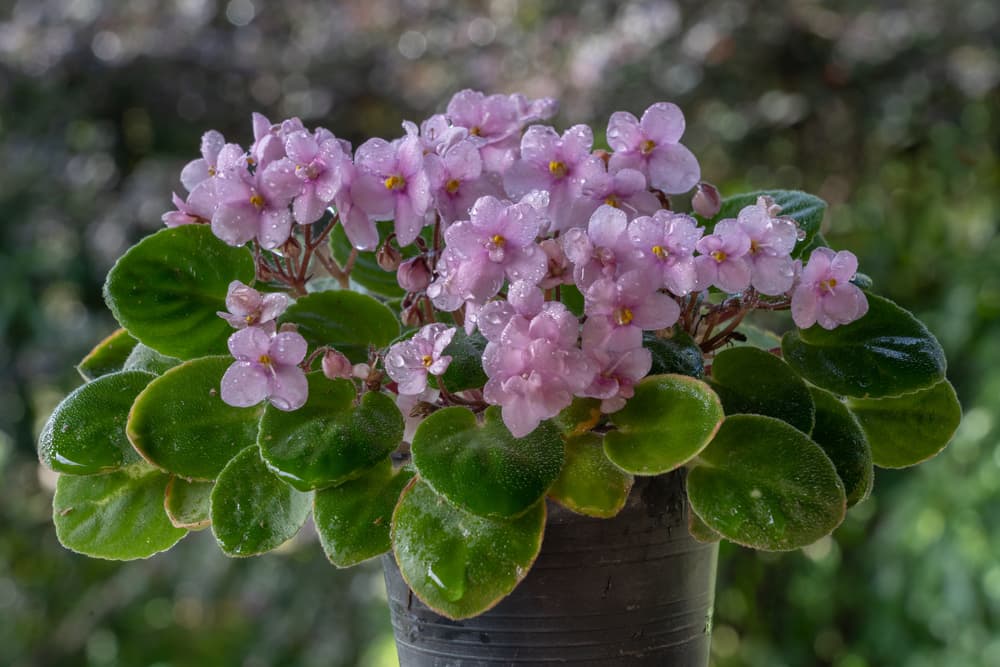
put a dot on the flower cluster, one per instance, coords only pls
(505, 217)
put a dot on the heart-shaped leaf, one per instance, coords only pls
(461, 564)
(86, 432)
(329, 439)
(764, 484)
(751, 381)
(252, 510)
(145, 358)
(353, 519)
(807, 210)
(348, 321)
(118, 516)
(590, 483)
(107, 356)
(187, 503)
(179, 423)
(678, 354)
(167, 289)
(905, 430)
(841, 437)
(886, 353)
(669, 420)
(466, 368)
(482, 468)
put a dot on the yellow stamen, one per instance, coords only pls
(611, 201)
(264, 359)
(719, 256)
(647, 146)
(257, 201)
(475, 131)
(395, 183)
(427, 360)
(623, 317)
(829, 284)
(557, 168)
(452, 186)
(211, 171)
(754, 247)
(660, 251)
(249, 319)
(498, 240)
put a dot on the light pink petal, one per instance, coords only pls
(410, 157)
(301, 147)
(463, 162)
(307, 208)
(845, 303)
(275, 227)
(734, 275)
(440, 365)
(418, 189)
(244, 384)
(529, 264)
(657, 311)
(522, 177)
(369, 193)
(576, 144)
(624, 133)
(818, 266)
(236, 224)
(231, 157)
(249, 344)
(272, 305)
(673, 169)
(632, 160)
(493, 318)
(289, 388)
(663, 122)
(539, 145)
(773, 275)
(261, 125)
(844, 266)
(465, 108)
(681, 278)
(193, 173)
(360, 229)
(606, 226)
(242, 299)
(805, 306)
(377, 156)
(288, 348)
(211, 145)
(408, 221)
(279, 183)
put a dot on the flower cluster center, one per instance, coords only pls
(395, 182)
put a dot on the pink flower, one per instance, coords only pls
(409, 362)
(771, 242)
(624, 189)
(652, 146)
(266, 367)
(723, 261)
(631, 302)
(617, 373)
(255, 205)
(196, 171)
(664, 247)
(457, 180)
(316, 160)
(550, 162)
(825, 294)
(336, 365)
(601, 250)
(187, 213)
(494, 122)
(249, 308)
(391, 182)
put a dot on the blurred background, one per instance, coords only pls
(890, 111)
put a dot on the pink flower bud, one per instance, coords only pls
(706, 201)
(388, 257)
(336, 365)
(413, 274)
(411, 316)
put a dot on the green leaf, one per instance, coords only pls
(886, 353)
(86, 432)
(572, 298)
(905, 430)
(353, 519)
(348, 321)
(460, 564)
(764, 484)
(806, 209)
(841, 437)
(669, 420)
(757, 337)
(466, 368)
(145, 358)
(677, 354)
(582, 415)
(482, 468)
(749, 380)
(804, 251)
(589, 482)
(179, 423)
(107, 356)
(330, 439)
(699, 529)
(118, 516)
(167, 289)
(252, 510)
(366, 271)
(187, 503)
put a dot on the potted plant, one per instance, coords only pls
(482, 335)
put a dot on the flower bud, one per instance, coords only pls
(559, 270)
(388, 257)
(412, 317)
(414, 275)
(706, 201)
(336, 365)
(292, 248)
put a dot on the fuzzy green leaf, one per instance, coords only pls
(107, 356)
(589, 482)
(841, 437)
(348, 321)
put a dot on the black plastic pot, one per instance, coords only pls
(633, 590)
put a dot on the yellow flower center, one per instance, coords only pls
(498, 240)
(719, 256)
(264, 359)
(249, 319)
(829, 284)
(557, 168)
(647, 146)
(475, 131)
(257, 201)
(211, 171)
(611, 201)
(754, 247)
(623, 317)
(660, 251)
(452, 186)
(427, 360)
(395, 183)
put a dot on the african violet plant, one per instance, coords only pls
(430, 336)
